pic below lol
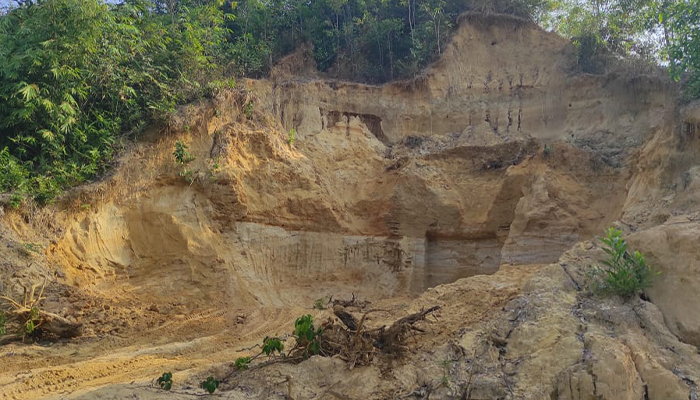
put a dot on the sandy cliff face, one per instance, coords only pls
(491, 165)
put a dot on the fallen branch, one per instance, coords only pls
(29, 311)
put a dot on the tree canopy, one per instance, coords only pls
(78, 76)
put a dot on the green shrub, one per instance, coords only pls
(75, 74)
(270, 345)
(242, 363)
(210, 385)
(308, 338)
(165, 381)
(624, 274)
(182, 156)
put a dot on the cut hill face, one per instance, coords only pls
(498, 165)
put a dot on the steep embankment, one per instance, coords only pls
(497, 161)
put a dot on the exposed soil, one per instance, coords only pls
(477, 188)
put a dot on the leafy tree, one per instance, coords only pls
(74, 74)
(681, 23)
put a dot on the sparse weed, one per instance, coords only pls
(182, 156)
(32, 247)
(548, 151)
(291, 136)
(3, 322)
(446, 364)
(188, 174)
(249, 110)
(318, 304)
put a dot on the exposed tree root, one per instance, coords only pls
(28, 312)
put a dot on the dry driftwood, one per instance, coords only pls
(392, 339)
(353, 302)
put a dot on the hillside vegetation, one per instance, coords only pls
(79, 76)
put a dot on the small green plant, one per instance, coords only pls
(217, 112)
(16, 200)
(210, 385)
(3, 322)
(318, 304)
(624, 274)
(165, 381)
(216, 86)
(249, 110)
(446, 364)
(242, 363)
(270, 345)
(182, 156)
(307, 336)
(548, 151)
(32, 247)
(32, 322)
(188, 174)
(291, 136)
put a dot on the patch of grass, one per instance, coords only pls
(291, 136)
(318, 304)
(32, 247)
(249, 110)
(3, 322)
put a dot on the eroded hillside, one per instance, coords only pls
(498, 165)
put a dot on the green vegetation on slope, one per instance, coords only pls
(77, 76)
(76, 73)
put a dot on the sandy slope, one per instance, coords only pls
(437, 191)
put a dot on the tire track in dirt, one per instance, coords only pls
(128, 364)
